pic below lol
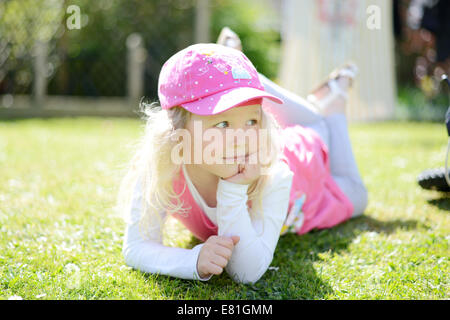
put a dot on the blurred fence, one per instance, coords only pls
(89, 57)
(83, 57)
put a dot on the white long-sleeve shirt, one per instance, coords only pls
(258, 238)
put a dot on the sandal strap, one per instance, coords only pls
(335, 91)
(347, 73)
(349, 70)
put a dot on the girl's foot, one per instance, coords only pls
(229, 38)
(331, 97)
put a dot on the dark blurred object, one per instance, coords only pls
(447, 115)
(423, 33)
(397, 20)
(436, 19)
(438, 178)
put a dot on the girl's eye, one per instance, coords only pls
(219, 125)
(224, 124)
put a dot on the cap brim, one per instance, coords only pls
(227, 99)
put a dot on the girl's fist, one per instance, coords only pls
(215, 254)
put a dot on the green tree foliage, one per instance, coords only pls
(91, 61)
(255, 23)
(22, 23)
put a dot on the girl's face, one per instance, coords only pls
(221, 144)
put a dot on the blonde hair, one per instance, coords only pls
(150, 166)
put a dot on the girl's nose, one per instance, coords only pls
(234, 150)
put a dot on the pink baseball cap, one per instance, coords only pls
(208, 78)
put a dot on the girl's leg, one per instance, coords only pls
(332, 129)
(343, 164)
(295, 109)
(331, 99)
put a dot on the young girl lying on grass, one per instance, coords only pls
(292, 171)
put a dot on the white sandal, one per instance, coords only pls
(348, 70)
(229, 38)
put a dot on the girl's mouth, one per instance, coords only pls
(236, 158)
(239, 157)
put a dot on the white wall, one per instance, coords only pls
(320, 35)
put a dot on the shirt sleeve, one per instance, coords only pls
(152, 256)
(254, 252)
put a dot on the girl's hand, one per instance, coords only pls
(215, 254)
(247, 173)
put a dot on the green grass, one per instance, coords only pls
(60, 238)
(414, 105)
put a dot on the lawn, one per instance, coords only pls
(60, 237)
